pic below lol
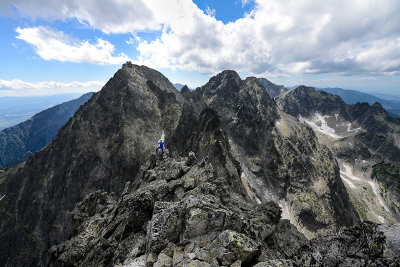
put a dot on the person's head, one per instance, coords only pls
(160, 140)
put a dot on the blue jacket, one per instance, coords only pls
(161, 144)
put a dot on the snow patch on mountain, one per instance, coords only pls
(330, 126)
(350, 183)
(318, 123)
(381, 202)
(349, 173)
(285, 210)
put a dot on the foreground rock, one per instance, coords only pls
(166, 223)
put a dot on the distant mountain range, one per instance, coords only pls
(348, 96)
(178, 86)
(14, 110)
(17, 143)
(352, 97)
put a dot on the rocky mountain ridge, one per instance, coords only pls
(236, 165)
(352, 97)
(17, 109)
(281, 160)
(364, 139)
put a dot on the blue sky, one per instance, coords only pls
(52, 47)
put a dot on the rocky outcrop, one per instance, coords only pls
(176, 217)
(19, 142)
(173, 220)
(305, 101)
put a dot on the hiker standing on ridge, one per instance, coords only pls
(161, 143)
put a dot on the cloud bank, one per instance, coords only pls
(54, 45)
(21, 88)
(277, 36)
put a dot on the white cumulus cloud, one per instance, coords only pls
(286, 36)
(22, 88)
(111, 16)
(277, 36)
(54, 45)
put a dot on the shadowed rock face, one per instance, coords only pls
(98, 194)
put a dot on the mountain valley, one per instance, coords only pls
(19, 142)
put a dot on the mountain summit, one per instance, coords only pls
(242, 183)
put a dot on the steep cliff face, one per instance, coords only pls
(99, 195)
(17, 143)
(281, 159)
(365, 141)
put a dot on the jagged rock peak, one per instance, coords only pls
(228, 74)
(303, 100)
(144, 73)
(311, 91)
(307, 90)
(185, 89)
(266, 81)
(228, 79)
(377, 107)
(101, 148)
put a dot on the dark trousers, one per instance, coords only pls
(162, 149)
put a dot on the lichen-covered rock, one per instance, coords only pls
(193, 263)
(178, 256)
(361, 245)
(151, 258)
(276, 263)
(392, 234)
(163, 260)
(229, 247)
(165, 226)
